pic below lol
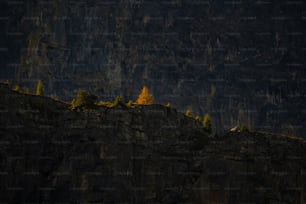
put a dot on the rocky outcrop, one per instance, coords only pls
(146, 154)
(240, 61)
(252, 168)
(50, 153)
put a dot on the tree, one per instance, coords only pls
(145, 97)
(207, 122)
(7, 82)
(17, 88)
(188, 112)
(117, 101)
(130, 103)
(168, 105)
(84, 99)
(198, 118)
(40, 91)
(26, 90)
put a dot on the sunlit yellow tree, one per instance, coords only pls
(40, 91)
(168, 105)
(188, 113)
(207, 122)
(145, 97)
(17, 88)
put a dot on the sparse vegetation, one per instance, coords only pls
(7, 82)
(84, 100)
(145, 97)
(245, 128)
(105, 103)
(117, 102)
(55, 97)
(130, 103)
(40, 91)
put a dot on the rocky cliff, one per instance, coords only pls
(146, 154)
(241, 61)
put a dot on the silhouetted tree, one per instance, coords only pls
(145, 97)
(84, 99)
(40, 91)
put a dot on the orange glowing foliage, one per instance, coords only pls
(145, 97)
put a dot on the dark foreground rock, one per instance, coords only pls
(146, 154)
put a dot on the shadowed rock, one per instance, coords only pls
(49, 153)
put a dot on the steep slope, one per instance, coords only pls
(242, 61)
(252, 168)
(49, 153)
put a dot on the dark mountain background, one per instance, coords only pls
(240, 61)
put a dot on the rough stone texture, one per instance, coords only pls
(241, 61)
(50, 153)
(252, 168)
(147, 154)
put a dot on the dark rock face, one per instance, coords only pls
(240, 61)
(49, 153)
(252, 168)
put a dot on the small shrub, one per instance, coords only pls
(245, 128)
(117, 101)
(26, 91)
(7, 82)
(105, 103)
(84, 100)
(130, 103)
